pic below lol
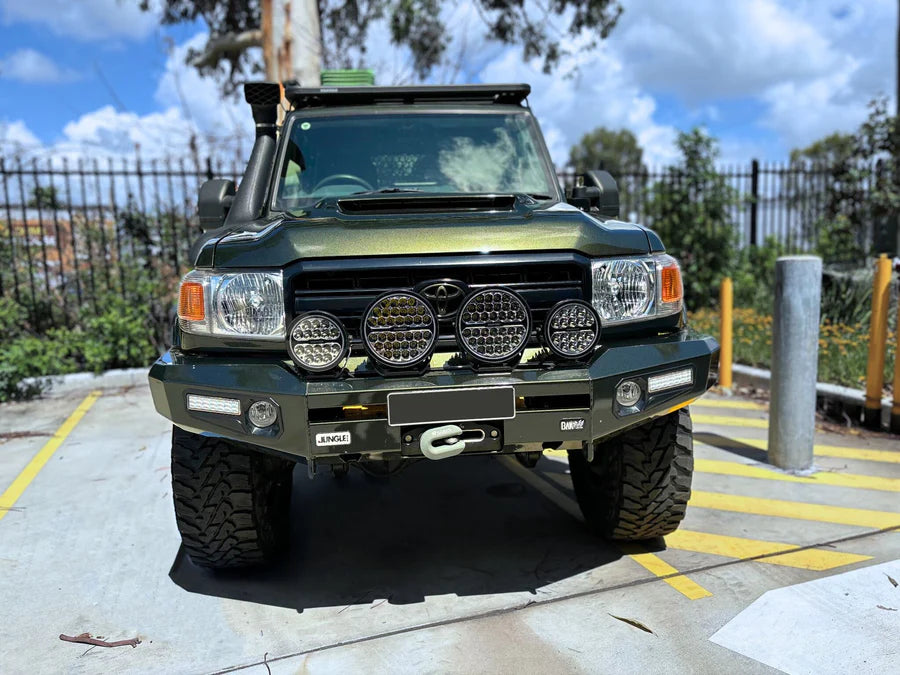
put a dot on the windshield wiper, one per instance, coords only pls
(386, 191)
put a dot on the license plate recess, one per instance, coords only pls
(443, 406)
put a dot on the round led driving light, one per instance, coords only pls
(628, 393)
(400, 330)
(493, 325)
(571, 329)
(317, 342)
(262, 414)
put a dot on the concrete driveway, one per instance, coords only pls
(472, 565)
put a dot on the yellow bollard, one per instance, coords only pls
(877, 340)
(726, 300)
(895, 409)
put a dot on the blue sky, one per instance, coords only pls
(98, 76)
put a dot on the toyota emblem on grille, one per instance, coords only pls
(446, 296)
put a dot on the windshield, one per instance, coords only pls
(460, 153)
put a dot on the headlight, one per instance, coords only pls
(633, 289)
(233, 304)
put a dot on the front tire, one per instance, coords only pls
(232, 503)
(639, 483)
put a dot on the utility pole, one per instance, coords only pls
(292, 41)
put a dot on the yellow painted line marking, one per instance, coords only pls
(741, 548)
(841, 515)
(725, 403)
(843, 452)
(703, 542)
(561, 499)
(557, 453)
(659, 567)
(649, 561)
(852, 480)
(23, 480)
(730, 421)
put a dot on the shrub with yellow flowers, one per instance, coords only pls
(843, 348)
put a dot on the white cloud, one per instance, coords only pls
(600, 95)
(813, 64)
(199, 99)
(16, 136)
(709, 49)
(83, 19)
(802, 112)
(806, 68)
(28, 65)
(194, 122)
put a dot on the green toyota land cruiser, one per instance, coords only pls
(400, 277)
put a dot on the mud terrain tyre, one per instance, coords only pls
(639, 483)
(232, 503)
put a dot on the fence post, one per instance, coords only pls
(877, 343)
(726, 302)
(754, 201)
(795, 351)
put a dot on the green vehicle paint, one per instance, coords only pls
(252, 369)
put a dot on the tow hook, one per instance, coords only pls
(453, 439)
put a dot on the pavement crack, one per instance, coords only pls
(548, 601)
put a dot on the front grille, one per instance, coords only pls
(347, 290)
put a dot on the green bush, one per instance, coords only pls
(754, 275)
(120, 337)
(691, 210)
(843, 348)
(30, 356)
(12, 319)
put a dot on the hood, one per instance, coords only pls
(329, 233)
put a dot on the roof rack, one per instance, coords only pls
(468, 93)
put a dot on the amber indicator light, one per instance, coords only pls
(671, 290)
(190, 302)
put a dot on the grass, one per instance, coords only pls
(843, 349)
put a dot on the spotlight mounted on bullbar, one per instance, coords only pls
(317, 342)
(493, 326)
(571, 329)
(400, 331)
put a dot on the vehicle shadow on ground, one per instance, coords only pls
(465, 527)
(731, 445)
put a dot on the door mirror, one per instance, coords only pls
(607, 201)
(214, 201)
(598, 190)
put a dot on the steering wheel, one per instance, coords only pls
(341, 176)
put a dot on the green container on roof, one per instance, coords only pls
(348, 78)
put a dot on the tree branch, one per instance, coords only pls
(230, 43)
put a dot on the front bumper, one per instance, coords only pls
(333, 419)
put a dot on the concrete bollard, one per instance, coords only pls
(795, 351)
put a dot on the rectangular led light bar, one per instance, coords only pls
(214, 404)
(670, 380)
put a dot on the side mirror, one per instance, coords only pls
(584, 196)
(214, 201)
(607, 201)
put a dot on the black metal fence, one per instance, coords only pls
(784, 201)
(74, 234)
